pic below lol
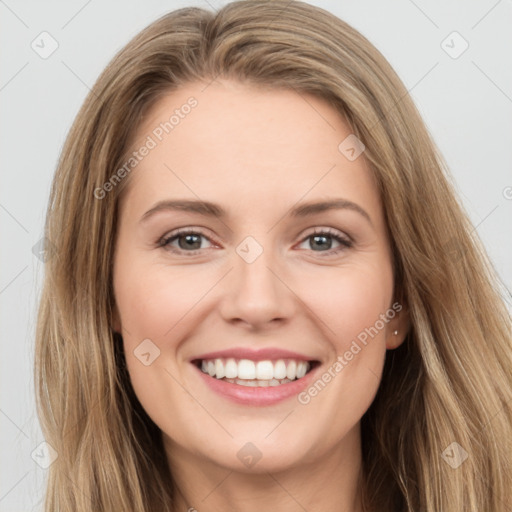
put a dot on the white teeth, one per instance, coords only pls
(280, 369)
(264, 370)
(250, 383)
(291, 371)
(260, 373)
(301, 370)
(219, 369)
(231, 369)
(246, 369)
(258, 383)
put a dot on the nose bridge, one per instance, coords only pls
(253, 267)
(255, 293)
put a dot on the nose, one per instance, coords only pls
(257, 294)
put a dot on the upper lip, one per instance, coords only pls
(254, 355)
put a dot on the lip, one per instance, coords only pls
(254, 355)
(258, 396)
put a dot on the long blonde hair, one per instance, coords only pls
(449, 382)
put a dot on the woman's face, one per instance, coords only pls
(228, 258)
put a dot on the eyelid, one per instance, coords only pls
(187, 230)
(330, 231)
(343, 239)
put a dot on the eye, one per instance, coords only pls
(188, 241)
(321, 240)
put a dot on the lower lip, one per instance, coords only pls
(259, 396)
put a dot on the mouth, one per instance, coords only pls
(256, 378)
(256, 374)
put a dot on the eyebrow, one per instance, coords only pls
(209, 209)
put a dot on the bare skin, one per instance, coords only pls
(258, 154)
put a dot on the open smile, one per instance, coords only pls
(258, 380)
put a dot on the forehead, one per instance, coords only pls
(239, 143)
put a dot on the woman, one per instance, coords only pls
(253, 372)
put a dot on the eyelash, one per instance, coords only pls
(345, 242)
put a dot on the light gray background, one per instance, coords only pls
(466, 103)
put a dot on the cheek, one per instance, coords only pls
(162, 305)
(349, 307)
(152, 302)
(349, 300)
(156, 310)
